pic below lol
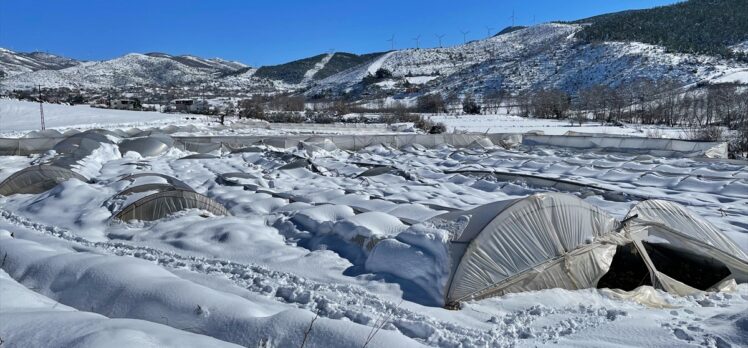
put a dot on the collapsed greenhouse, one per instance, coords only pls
(150, 196)
(546, 240)
(553, 240)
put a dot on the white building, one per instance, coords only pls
(190, 105)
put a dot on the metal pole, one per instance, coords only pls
(41, 107)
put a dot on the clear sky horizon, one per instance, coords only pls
(269, 32)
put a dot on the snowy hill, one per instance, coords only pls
(568, 56)
(130, 70)
(542, 56)
(304, 72)
(201, 63)
(12, 63)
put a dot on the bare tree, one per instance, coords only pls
(493, 99)
(550, 103)
(251, 108)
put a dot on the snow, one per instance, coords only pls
(739, 76)
(17, 118)
(741, 47)
(377, 64)
(309, 74)
(302, 245)
(540, 56)
(18, 115)
(419, 80)
(33, 320)
(544, 55)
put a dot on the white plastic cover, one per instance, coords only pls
(635, 144)
(676, 217)
(525, 234)
(669, 222)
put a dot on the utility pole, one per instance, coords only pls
(41, 107)
(464, 35)
(440, 39)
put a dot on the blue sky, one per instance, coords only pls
(264, 32)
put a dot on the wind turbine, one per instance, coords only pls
(464, 35)
(417, 39)
(488, 31)
(512, 17)
(392, 42)
(440, 37)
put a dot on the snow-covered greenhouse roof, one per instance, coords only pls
(504, 239)
(147, 146)
(151, 196)
(37, 179)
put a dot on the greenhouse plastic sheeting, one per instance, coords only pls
(161, 204)
(147, 146)
(663, 146)
(676, 217)
(512, 237)
(672, 224)
(26, 146)
(579, 269)
(36, 179)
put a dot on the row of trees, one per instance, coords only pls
(640, 101)
(707, 109)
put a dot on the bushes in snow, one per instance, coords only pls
(430, 103)
(470, 106)
(251, 108)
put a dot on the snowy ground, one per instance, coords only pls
(19, 117)
(260, 276)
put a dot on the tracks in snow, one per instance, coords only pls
(331, 300)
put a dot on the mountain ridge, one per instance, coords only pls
(550, 55)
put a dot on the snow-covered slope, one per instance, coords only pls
(12, 63)
(130, 70)
(541, 56)
(201, 63)
(741, 47)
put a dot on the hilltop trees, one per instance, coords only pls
(696, 26)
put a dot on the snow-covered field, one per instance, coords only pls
(22, 116)
(281, 271)
(17, 118)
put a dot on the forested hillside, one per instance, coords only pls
(294, 72)
(291, 72)
(343, 61)
(695, 26)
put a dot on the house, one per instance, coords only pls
(189, 105)
(124, 104)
